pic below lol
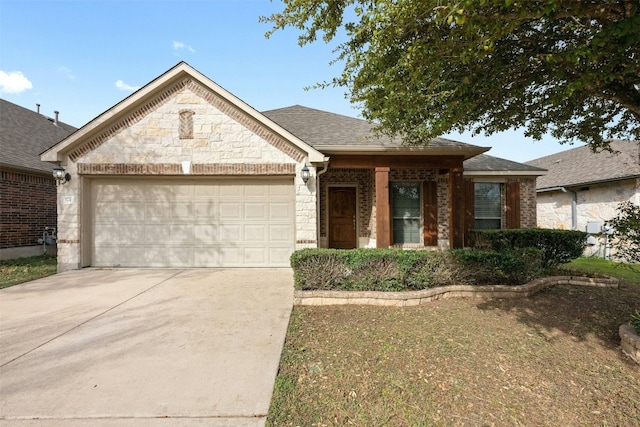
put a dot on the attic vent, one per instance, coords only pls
(186, 124)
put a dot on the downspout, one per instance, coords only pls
(325, 167)
(574, 207)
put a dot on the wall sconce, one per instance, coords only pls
(60, 175)
(305, 174)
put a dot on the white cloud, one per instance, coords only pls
(14, 82)
(180, 45)
(67, 72)
(123, 86)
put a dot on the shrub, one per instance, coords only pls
(626, 232)
(557, 246)
(398, 270)
(318, 268)
(489, 267)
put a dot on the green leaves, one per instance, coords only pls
(421, 68)
(626, 225)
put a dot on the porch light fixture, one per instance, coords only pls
(305, 174)
(60, 175)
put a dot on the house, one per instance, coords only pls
(184, 174)
(583, 187)
(27, 187)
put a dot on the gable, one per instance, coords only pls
(143, 120)
(218, 133)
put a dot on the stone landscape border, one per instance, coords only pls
(413, 298)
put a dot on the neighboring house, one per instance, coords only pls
(184, 174)
(583, 187)
(27, 187)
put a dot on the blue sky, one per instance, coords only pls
(81, 57)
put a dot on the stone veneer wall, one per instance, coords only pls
(225, 142)
(594, 203)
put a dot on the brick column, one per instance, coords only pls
(456, 208)
(383, 218)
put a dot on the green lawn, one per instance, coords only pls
(627, 273)
(20, 270)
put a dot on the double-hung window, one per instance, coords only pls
(488, 205)
(405, 212)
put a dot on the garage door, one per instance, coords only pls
(192, 223)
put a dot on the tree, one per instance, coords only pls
(626, 232)
(423, 68)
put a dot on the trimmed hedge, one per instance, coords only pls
(399, 270)
(557, 246)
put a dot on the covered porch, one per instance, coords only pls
(392, 200)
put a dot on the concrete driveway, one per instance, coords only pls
(143, 347)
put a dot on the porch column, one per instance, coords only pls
(456, 208)
(383, 219)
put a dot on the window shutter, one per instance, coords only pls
(469, 210)
(513, 204)
(430, 226)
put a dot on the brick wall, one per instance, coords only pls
(363, 180)
(27, 205)
(528, 209)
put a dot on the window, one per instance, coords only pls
(488, 205)
(405, 212)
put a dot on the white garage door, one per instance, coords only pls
(192, 223)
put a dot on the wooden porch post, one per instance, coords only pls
(383, 219)
(456, 208)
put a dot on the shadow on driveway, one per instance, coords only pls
(143, 347)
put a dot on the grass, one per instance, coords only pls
(552, 359)
(20, 270)
(625, 272)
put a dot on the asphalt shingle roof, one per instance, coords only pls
(486, 163)
(322, 129)
(24, 134)
(580, 166)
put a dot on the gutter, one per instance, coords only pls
(531, 173)
(325, 168)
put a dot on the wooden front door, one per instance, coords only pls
(342, 217)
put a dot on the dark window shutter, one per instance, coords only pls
(469, 209)
(513, 204)
(430, 226)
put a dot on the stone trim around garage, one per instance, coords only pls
(413, 298)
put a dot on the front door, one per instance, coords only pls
(342, 217)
